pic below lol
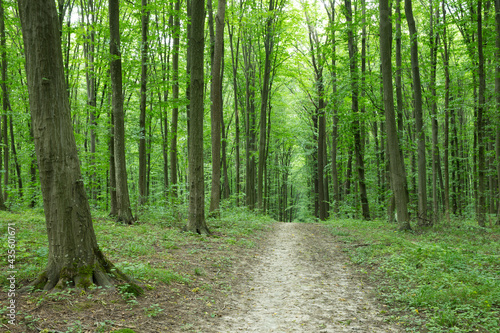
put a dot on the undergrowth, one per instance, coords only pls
(441, 279)
(140, 250)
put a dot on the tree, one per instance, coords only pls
(417, 95)
(481, 186)
(353, 54)
(216, 107)
(397, 169)
(196, 220)
(142, 116)
(4, 91)
(175, 96)
(124, 212)
(74, 255)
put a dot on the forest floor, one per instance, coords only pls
(256, 275)
(281, 277)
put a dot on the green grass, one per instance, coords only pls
(140, 250)
(443, 279)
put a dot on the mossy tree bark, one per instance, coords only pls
(74, 256)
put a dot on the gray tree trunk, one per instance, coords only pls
(124, 212)
(142, 116)
(216, 107)
(396, 164)
(419, 130)
(196, 220)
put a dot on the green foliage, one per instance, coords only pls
(446, 278)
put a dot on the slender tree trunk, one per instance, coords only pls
(74, 257)
(419, 130)
(335, 118)
(142, 116)
(355, 109)
(4, 97)
(433, 39)
(175, 96)
(268, 48)
(234, 62)
(497, 94)
(216, 108)
(446, 64)
(397, 170)
(124, 212)
(481, 186)
(196, 218)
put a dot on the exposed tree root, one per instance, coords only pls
(102, 273)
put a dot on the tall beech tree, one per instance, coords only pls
(396, 164)
(196, 220)
(124, 212)
(419, 123)
(142, 117)
(356, 123)
(74, 259)
(216, 106)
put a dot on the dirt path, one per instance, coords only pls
(300, 284)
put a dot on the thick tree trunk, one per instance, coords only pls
(419, 125)
(216, 108)
(196, 220)
(397, 170)
(124, 212)
(74, 256)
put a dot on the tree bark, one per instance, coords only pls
(396, 164)
(355, 109)
(196, 220)
(216, 108)
(74, 256)
(446, 65)
(419, 130)
(497, 94)
(142, 116)
(175, 97)
(481, 186)
(124, 212)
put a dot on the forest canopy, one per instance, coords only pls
(294, 121)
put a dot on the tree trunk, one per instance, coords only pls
(396, 164)
(497, 94)
(175, 97)
(268, 48)
(216, 108)
(74, 256)
(433, 39)
(124, 212)
(142, 116)
(196, 220)
(5, 107)
(419, 130)
(446, 65)
(481, 159)
(355, 109)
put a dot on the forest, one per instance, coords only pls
(190, 115)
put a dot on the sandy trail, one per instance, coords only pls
(301, 284)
